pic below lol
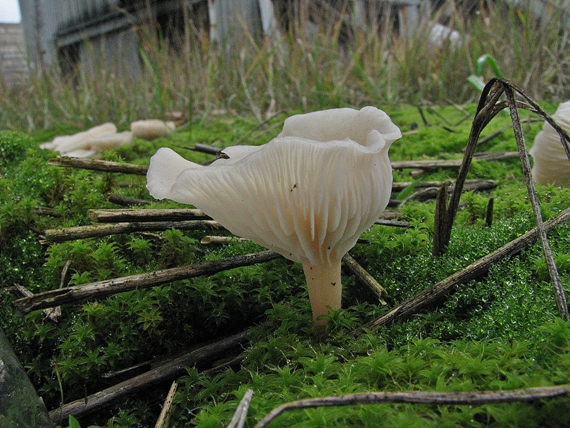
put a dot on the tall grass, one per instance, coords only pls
(333, 62)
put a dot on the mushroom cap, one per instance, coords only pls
(80, 141)
(308, 196)
(551, 164)
(110, 141)
(165, 167)
(151, 129)
(341, 123)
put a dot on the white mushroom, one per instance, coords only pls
(92, 147)
(79, 141)
(152, 129)
(307, 194)
(111, 141)
(441, 35)
(551, 164)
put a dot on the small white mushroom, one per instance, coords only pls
(152, 129)
(92, 147)
(551, 164)
(67, 143)
(111, 141)
(441, 35)
(307, 194)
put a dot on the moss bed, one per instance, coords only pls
(499, 332)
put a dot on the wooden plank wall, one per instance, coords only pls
(13, 63)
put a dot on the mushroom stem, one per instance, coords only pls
(325, 288)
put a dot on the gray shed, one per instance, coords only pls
(13, 65)
(70, 31)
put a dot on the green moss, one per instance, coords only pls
(499, 331)
(13, 147)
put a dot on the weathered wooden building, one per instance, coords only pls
(70, 31)
(13, 63)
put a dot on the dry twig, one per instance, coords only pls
(421, 397)
(241, 412)
(164, 417)
(168, 370)
(393, 223)
(99, 230)
(108, 287)
(208, 240)
(126, 215)
(476, 184)
(126, 201)
(363, 276)
(427, 165)
(99, 165)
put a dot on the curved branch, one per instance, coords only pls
(422, 397)
(78, 293)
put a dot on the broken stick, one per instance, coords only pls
(78, 293)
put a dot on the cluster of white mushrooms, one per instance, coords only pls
(91, 143)
(309, 193)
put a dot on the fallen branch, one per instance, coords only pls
(489, 106)
(78, 293)
(434, 293)
(425, 193)
(493, 135)
(422, 397)
(493, 156)
(363, 276)
(51, 313)
(477, 184)
(99, 165)
(168, 370)
(421, 195)
(393, 223)
(45, 211)
(208, 240)
(164, 417)
(126, 215)
(98, 230)
(390, 215)
(428, 165)
(240, 414)
(126, 201)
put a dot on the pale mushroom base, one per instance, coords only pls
(325, 289)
